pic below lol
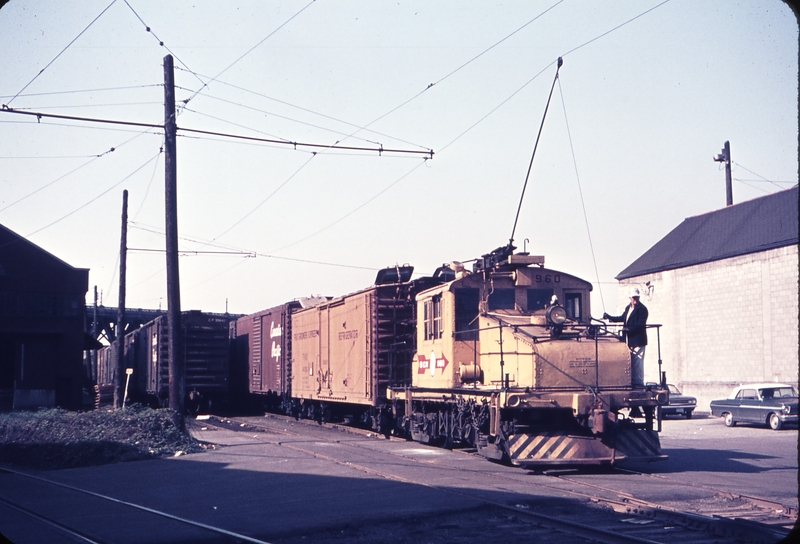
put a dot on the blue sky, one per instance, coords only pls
(648, 94)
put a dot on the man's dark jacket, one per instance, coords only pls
(635, 330)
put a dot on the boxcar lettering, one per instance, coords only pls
(276, 350)
(348, 335)
(274, 331)
(305, 335)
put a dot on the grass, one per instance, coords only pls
(51, 439)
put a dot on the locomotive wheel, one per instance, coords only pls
(729, 422)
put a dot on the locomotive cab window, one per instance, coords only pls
(538, 299)
(466, 307)
(572, 304)
(433, 318)
(501, 299)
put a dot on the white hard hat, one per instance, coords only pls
(635, 292)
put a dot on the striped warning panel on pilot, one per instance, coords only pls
(545, 446)
(637, 443)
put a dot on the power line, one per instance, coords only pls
(614, 29)
(580, 192)
(301, 108)
(76, 91)
(238, 251)
(380, 150)
(94, 199)
(247, 52)
(62, 51)
(94, 158)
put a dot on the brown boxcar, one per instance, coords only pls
(347, 351)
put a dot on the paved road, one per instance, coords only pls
(745, 459)
(270, 485)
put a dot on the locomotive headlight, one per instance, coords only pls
(556, 315)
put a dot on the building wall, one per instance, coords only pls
(724, 322)
(41, 327)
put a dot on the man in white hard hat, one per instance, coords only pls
(634, 331)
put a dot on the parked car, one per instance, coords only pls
(773, 404)
(679, 404)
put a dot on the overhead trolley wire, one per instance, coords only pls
(77, 91)
(62, 51)
(159, 40)
(95, 198)
(205, 85)
(338, 133)
(301, 108)
(459, 136)
(580, 192)
(94, 158)
(380, 150)
(615, 28)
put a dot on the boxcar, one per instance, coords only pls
(206, 356)
(348, 350)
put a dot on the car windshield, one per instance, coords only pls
(674, 390)
(778, 393)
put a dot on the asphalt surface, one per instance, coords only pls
(271, 486)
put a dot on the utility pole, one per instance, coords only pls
(177, 367)
(94, 335)
(120, 329)
(725, 156)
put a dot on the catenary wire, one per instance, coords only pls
(61, 53)
(278, 116)
(351, 212)
(380, 150)
(147, 189)
(160, 41)
(186, 101)
(77, 91)
(775, 183)
(580, 192)
(301, 108)
(94, 158)
(251, 212)
(95, 198)
(459, 136)
(584, 44)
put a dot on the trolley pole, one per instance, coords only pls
(177, 370)
(120, 329)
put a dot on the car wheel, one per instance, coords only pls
(729, 422)
(775, 422)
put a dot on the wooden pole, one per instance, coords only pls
(120, 328)
(177, 367)
(728, 184)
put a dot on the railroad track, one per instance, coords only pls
(634, 520)
(61, 526)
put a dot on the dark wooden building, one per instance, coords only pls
(42, 305)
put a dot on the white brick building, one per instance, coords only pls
(724, 285)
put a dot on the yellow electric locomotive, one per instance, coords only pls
(508, 360)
